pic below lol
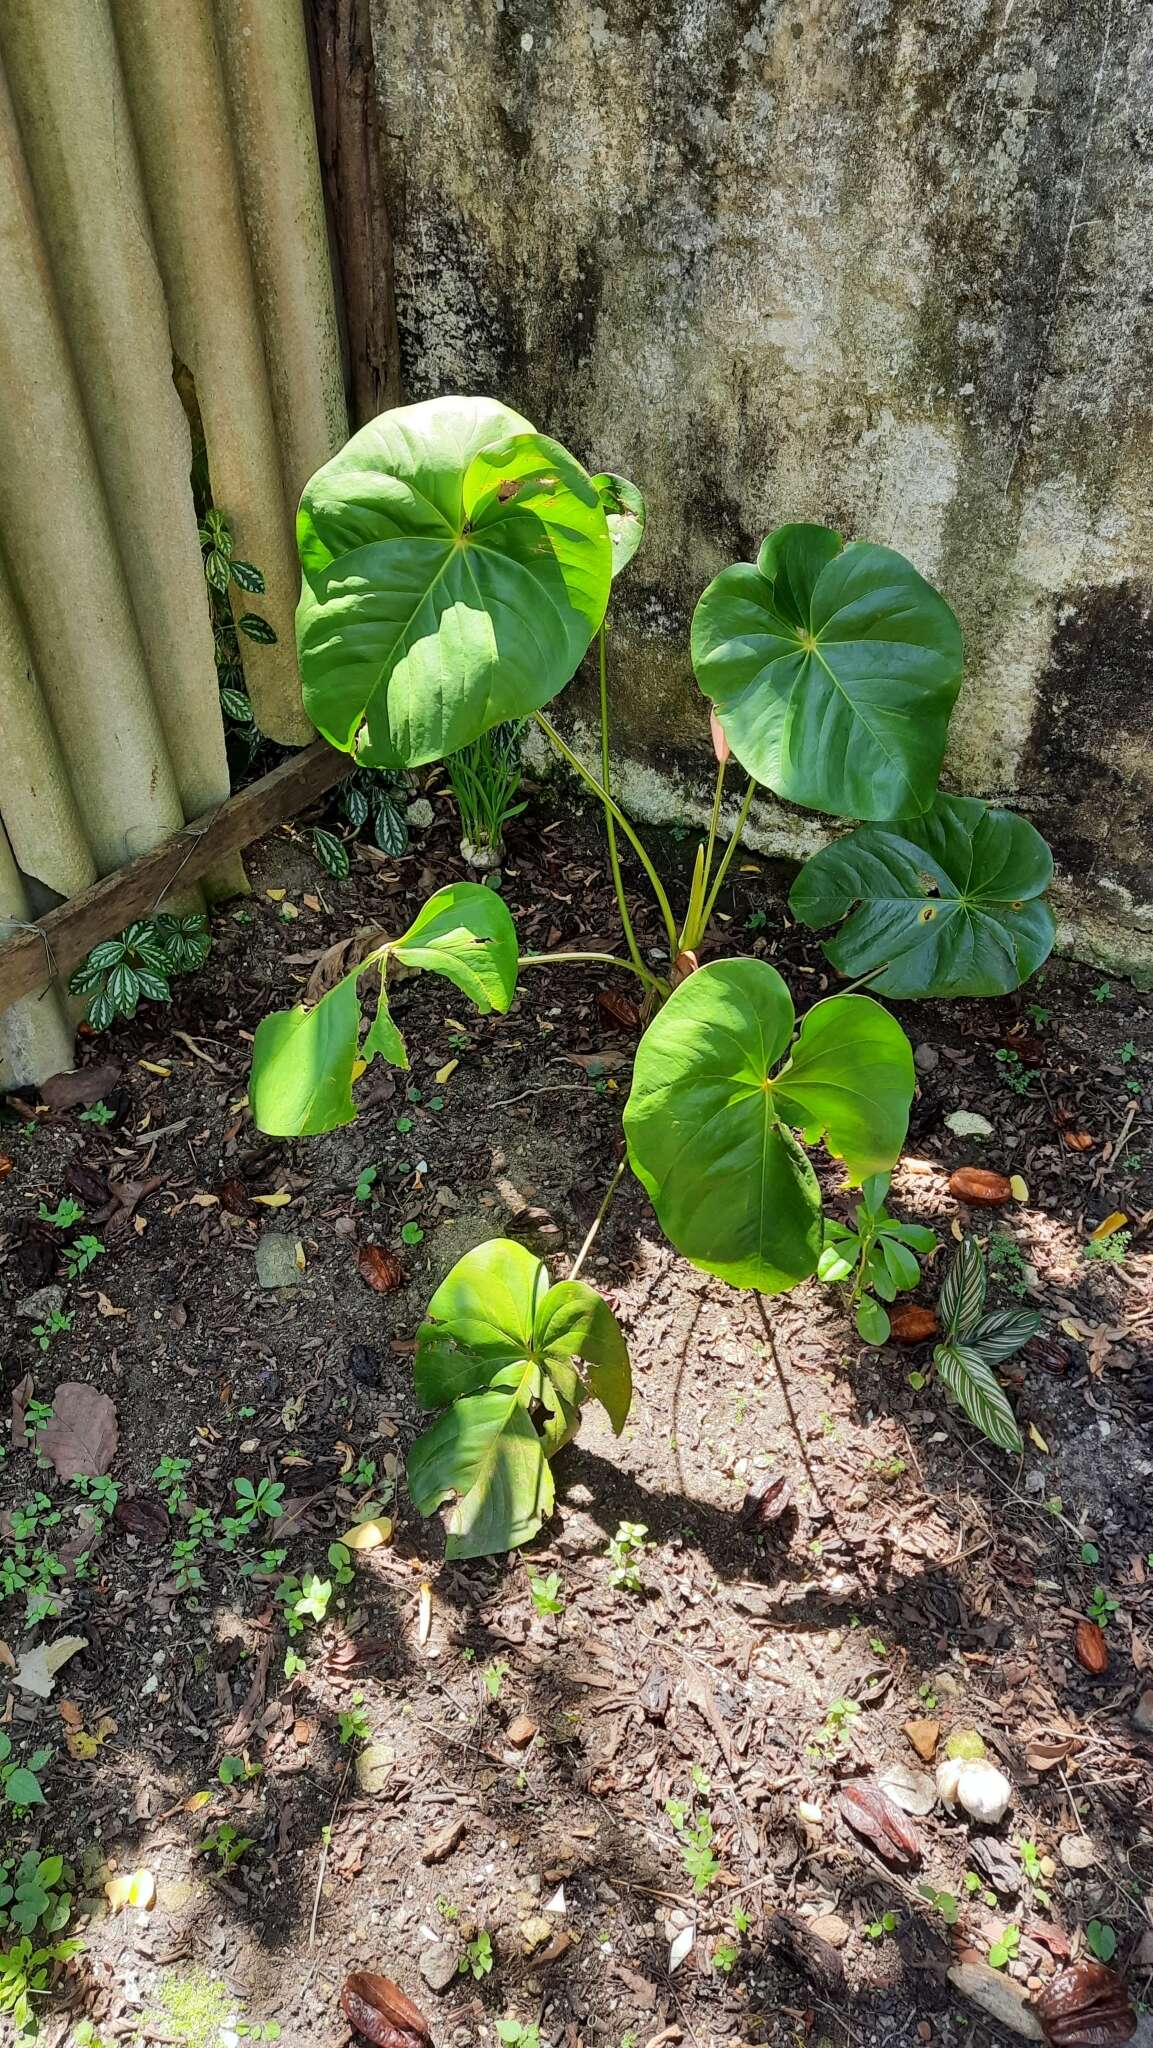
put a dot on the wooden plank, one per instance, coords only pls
(40, 953)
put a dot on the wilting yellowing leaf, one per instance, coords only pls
(1019, 1187)
(347, 1457)
(298, 1257)
(83, 1744)
(196, 1800)
(368, 1535)
(137, 1889)
(1111, 1223)
(108, 1308)
(358, 1067)
(1035, 1437)
(446, 1072)
(276, 895)
(1072, 1329)
(279, 1200)
(150, 1067)
(204, 1201)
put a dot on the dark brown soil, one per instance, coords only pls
(919, 1574)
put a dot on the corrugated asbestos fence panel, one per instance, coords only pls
(160, 211)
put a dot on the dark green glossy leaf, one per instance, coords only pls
(390, 827)
(101, 1010)
(355, 805)
(257, 628)
(331, 852)
(124, 990)
(952, 901)
(707, 1112)
(86, 977)
(872, 1322)
(833, 671)
(109, 953)
(247, 576)
(624, 510)
(235, 705)
(485, 1450)
(456, 565)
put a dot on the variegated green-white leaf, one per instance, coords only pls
(972, 1383)
(962, 1294)
(1003, 1331)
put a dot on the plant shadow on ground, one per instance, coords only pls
(903, 1534)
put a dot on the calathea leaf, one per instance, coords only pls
(949, 904)
(304, 1060)
(498, 1343)
(624, 510)
(971, 1381)
(707, 1112)
(1002, 1332)
(833, 671)
(456, 565)
(962, 1295)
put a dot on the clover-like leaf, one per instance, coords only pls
(948, 904)
(833, 671)
(709, 1122)
(456, 565)
(501, 1345)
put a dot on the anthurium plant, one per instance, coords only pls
(457, 566)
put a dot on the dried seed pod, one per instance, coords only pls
(979, 1187)
(1086, 2006)
(871, 1814)
(766, 1502)
(1091, 1647)
(381, 1269)
(912, 1324)
(382, 2013)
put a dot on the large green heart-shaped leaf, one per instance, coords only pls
(951, 903)
(302, 1065)
(456, 565)
(833, 670)
(304, 1060)
(485, 1450)
(708, 1120)
(496, 1340)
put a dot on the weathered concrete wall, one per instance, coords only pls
(884, 263)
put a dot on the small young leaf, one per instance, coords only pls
(354, 803)
(235, 705)
(872, 1322)
(257, 629)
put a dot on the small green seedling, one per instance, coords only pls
(21, 1782)
(943, 1903)
(99, 1114)
(56, 1324)
(227, 1844)
(547, 1597)
(1005, 1947)
(354, 1725)
(478, 1956)
(726, 1956)
(887, 1924)
(411, 1233)
(512, 2032)
(81, 1253)
(262, 1499)
(877, 1258)
(1103, 1606)
(493, 1676)
(1110, 1250)
(233, 1770)
(1101, 1940)
(64, 1215)
(1015, 1074)
(624, 1554)
(366, 1181)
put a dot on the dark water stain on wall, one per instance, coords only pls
(1089, 765)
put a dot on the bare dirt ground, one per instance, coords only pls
(494, 1830)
